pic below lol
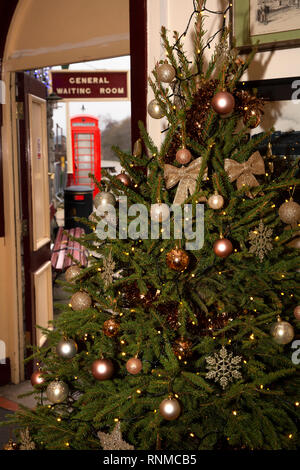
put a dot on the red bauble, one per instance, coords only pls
(223, 102)
(223, 247)
(134, 365)
(37, 378)
(183, 156)
(102, 369)
(177, 259)
(125, 179)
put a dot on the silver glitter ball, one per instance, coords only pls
(57, 391)
(166, 73)
(155, 110)
(282, 332)
(66, 348)
(104, 199)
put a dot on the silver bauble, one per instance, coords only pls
(282, 332)
(66, 348)
(289, 212)
(216, 201)
(166, 73)
(80, 301)
(155, 110)
(159, 212)
(57, 391)
(170, 409)
(104, 199)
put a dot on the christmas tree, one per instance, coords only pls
(170, 342)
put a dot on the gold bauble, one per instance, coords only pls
(289, 212)
(111, 327)
(282, 332)
(11, 445)
(72, 273)
(57, 391)
(155, 110)
(80, 301)
(166, 73)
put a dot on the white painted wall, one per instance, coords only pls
(174, 14)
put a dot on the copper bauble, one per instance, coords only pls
(223, 102)
(216, 201)
(155, 110)
(252, 118)
(282, 332)
(111, 327)
(66, 348)
(104, 200)
(165, 73)
(80, 301)
(289, 212)
(37, 378)
(102, 369)
(11, 445)
(123, 178)
(57, 391)
(182, 348)
(177, 259)
(223, 247)
(134, 365)
(183, 156)
(170, 409)
(295, 243)
(72, 273)
(297, 312)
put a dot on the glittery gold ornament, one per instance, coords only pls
(111, 327)
(104, 200)
(57, 391)
(26, 441)
(289, 213)
(182, 348)
(114, 440)
(10, 445)
(72, 273)
(183, 156)
(282, 332)
(80, 301)
(177, 259)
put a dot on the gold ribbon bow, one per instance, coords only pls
(244, 172)
(185, 176)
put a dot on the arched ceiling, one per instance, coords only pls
(44, 33)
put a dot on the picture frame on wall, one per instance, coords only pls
(268, 24)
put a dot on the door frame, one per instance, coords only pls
(138, 53)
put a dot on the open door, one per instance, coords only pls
(33, 176)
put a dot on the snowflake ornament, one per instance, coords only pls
(108, 273)
(223, 367)
(114, 440)
(260, 240)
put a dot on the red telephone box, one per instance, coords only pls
(86, 149)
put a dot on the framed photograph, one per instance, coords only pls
(269, 24)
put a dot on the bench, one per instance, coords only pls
(64, 246)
